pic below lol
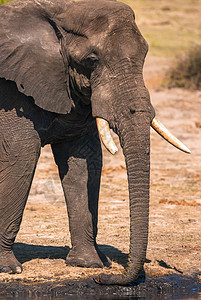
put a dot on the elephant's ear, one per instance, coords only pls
(30, 55)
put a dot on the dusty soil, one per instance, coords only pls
(173, 256)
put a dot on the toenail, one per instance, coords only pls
(18, 270)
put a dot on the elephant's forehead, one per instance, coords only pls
(117, 28)
(102, 15)
(108, 22)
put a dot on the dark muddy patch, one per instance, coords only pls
(170, 287)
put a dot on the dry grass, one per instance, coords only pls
(170, 27)
(186, 73)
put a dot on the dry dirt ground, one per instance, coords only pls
(175, 203)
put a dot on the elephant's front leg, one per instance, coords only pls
(80, 164)
(19, 153)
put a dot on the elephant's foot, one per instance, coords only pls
(87, 258)
(8, 263)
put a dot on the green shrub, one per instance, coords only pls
(186, 72)
(4, 1)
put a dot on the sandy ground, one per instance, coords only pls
(175, 201)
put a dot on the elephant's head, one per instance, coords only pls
(61, 51)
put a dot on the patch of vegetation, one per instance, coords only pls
(4, 1)
(186, 73)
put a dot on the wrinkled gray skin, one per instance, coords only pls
(62, 64)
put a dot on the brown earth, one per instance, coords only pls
(175, 202)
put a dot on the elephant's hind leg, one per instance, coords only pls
(19, 152)
(80, 164)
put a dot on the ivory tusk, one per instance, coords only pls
(105, 135)
(169, 137)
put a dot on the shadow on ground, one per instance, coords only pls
(27, 252)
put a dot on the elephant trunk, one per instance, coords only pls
(131, 117)
(135, 141)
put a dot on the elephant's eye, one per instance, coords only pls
(91, 60)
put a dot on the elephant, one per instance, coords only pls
(71, 71)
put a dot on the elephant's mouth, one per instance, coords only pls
(80, 85)
(105, 135)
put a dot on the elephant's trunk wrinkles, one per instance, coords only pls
(135, 142)
(136, 151)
